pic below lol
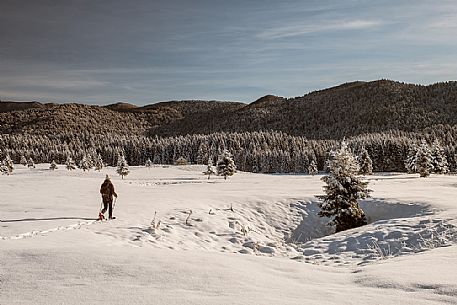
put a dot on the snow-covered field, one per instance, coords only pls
(253, 239)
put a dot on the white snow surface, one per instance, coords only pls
(252, 239)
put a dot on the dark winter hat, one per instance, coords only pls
(107, 177)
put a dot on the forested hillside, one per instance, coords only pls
(272, 134)
(343, 111)
(347, 110)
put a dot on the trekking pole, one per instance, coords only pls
(114, 203)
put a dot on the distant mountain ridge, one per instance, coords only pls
(346, 110)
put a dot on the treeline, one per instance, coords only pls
(265, 152)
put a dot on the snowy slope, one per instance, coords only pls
(271, 249)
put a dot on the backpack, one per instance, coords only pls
(105, 189)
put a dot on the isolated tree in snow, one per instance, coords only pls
(23, 160)
(210, 170)
(424, 162)
(122, 166)
(53, 165)
(226, 165)
(312, 168)
(30, 163)
(365, 163)
(85, 163)
(99, 163)
(8, 163)
(148, 163)
(343, 190)
(439, 160)
(70, 164)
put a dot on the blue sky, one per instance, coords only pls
(143, 51)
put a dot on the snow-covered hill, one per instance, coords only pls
(253, 239)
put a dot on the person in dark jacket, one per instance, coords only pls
(107, 191)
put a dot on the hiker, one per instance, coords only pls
(107, 191)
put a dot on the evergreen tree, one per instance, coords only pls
(424, 163)
(30, 163)
(439, 160)
(23, 160)
(210, 170)
(4, 169)
(157, 159)
(202, 153)
(366, 164)
(90, 160)
(343, 190)
(99, 163)
(84, 164)
(225, 164)
(8, 163)
(148, 163)
(329, 158)
(122, 166)
(312, 168)
(70, 164)
(53, 165)
(410, 162)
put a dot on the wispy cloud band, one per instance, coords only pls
(307, 28)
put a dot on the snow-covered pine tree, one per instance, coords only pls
(99, 163)
(312, 168)
(343, 189)
(84, 164)
(30, 163)
(225, 164)
(209, 170)
(8, 163)
(329, 157)
(90, 160)
(4, 169)
(23, 160)
(148, 163)
(439, 159)
(70, 164)
(122, 166)
(53, 165)
(410, 162)
(202, 153)
(365, 163)
(424, 162)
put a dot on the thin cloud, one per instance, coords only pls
(445, 23)
(303, 29)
